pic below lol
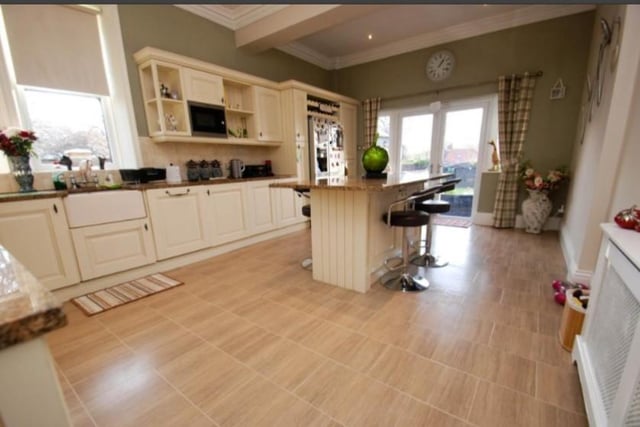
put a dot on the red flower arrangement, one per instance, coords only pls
(17, 142)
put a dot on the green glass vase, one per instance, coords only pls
(375, 159)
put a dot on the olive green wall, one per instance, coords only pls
(170, 28)
(558, 47)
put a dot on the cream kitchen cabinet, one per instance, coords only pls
(348, 120)
(203, 87)
(37, 234)
(178, 219)
(261, 206)
(226, 211)
(268, 114)
(292, 157)
(109, 248)
(288, 205)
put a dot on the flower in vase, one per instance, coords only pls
(535, 181)
(17, 142)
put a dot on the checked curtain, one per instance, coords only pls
(514, 108)
(371, 108)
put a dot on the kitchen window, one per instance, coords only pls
(65, 77)
(67, 123)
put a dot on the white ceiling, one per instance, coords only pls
(336, 36)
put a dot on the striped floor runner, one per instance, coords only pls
(105, 299)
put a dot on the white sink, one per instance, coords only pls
(102, 207)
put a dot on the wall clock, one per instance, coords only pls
(440, 65)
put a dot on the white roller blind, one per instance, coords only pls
(55, 46)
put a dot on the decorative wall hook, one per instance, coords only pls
(558, 90)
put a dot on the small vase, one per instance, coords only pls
(535, 211)
(21, 170)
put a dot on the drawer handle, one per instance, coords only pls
(177, 194)
(55, 208)
(146, 227)
(208, 193)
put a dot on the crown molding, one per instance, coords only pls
(233, 19)
(247, 14)
(523, 16)
(307, 54)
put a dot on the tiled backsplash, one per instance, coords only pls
(159, 155)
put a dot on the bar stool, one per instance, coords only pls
(403, 281)
(306, 263)
(432, 207)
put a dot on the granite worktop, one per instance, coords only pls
(355, 183)
(27, 309)
(45, 194)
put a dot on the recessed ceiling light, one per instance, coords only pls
(370, 36)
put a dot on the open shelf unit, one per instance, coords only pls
(239, 110)
(166, 115)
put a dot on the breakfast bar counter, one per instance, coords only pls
(30, 393)
(348, 237)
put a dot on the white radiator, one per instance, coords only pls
(608, 350)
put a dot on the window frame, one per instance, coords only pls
(26, 121)
(117, 106)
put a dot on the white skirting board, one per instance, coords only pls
(574, 274)
(486, 218)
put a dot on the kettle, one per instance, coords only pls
(236, 167)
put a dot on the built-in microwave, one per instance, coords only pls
(207, 120)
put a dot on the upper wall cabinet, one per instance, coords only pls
(163, 98)
(268, 114)
(256, 111)
(202, 87)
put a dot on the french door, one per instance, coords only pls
(443, 137)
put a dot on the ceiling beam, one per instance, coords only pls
(295, 22)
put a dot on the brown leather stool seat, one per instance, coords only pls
(407, 218)
(403, 281)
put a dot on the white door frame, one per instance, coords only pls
(488, 132)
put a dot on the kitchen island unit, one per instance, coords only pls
(348, 237)
(30, 394)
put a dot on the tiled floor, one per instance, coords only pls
(252, 340)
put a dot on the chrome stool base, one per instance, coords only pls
(428, 260)
(307, 264)
(405, 282)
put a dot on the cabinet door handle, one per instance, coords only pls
(208, 193)
(146, 227)
(55, 208)
(177, 194)
(260, 133)
(222, 100)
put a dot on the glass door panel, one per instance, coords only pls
(416, 139)
(463, 133)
